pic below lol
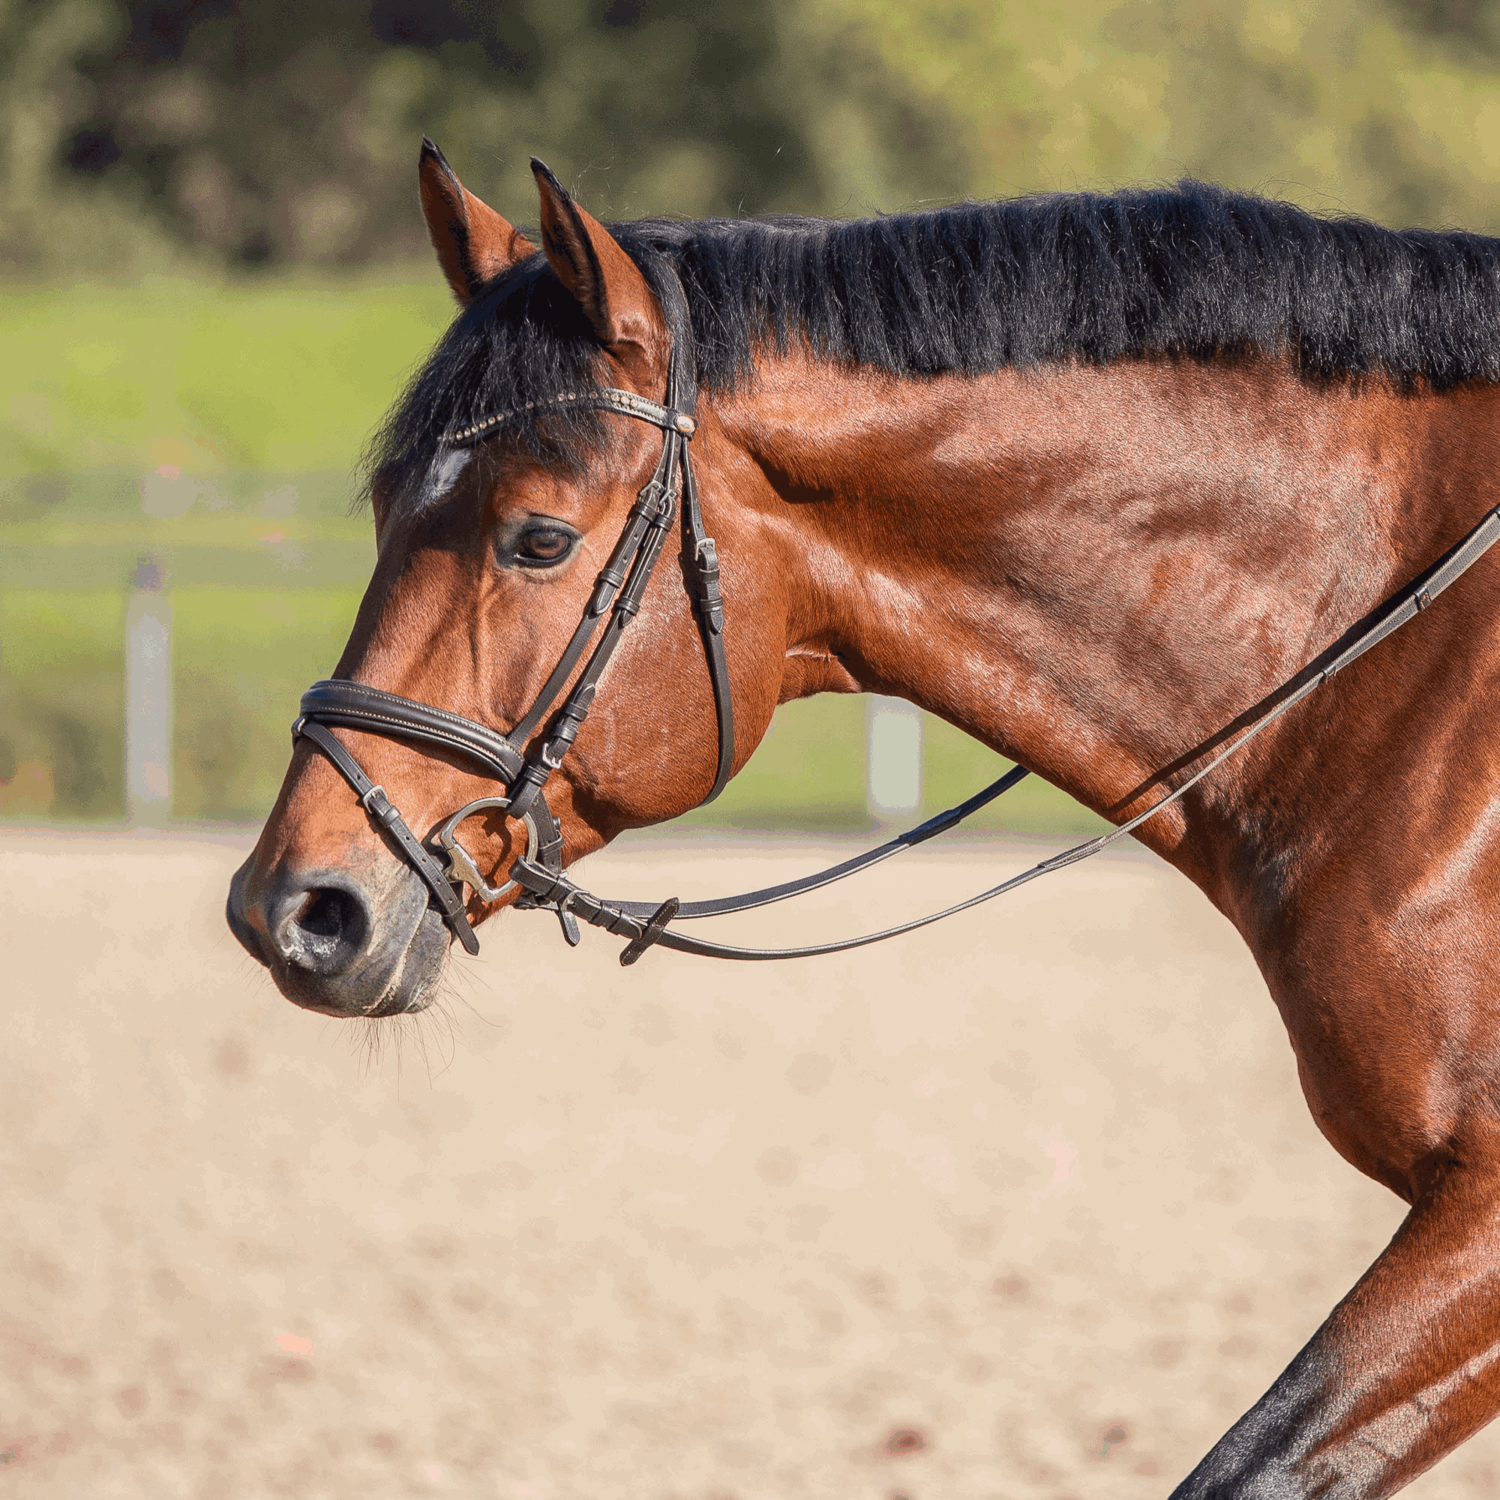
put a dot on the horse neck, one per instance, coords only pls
(1095, 570)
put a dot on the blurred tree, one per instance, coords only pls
(287, 131)
(44, 96)
(1389, 108)
(135, 131)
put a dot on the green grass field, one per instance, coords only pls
(284, 376)
(216, 427)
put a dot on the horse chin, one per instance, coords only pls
(397, 970)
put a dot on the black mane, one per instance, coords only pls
(1191, 272)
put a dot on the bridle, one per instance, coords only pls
(614, 603)
(617, 593)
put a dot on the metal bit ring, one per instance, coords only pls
(461, 866)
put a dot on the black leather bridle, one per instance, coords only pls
(614, 603)
(618, 592)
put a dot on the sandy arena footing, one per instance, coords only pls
(1024, 1205)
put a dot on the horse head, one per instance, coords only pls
(502, 486)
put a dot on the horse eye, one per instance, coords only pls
(544, 546)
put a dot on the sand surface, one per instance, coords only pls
(1026, 1205)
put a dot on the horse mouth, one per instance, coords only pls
(334, 945)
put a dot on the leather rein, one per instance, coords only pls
(617, 595)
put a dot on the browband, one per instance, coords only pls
(607, 398)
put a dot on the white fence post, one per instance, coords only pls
(148, 698)
(893, 760)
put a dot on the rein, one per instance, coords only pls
(618, 592)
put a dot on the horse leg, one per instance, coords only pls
(1406, 1367)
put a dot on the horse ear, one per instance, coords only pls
(472, 241)
(614, 295)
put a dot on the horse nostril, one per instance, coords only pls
(325, 929)
(329, 914)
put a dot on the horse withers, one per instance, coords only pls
(1093, 478)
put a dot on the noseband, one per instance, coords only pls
(618, 592)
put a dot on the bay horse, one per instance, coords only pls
(1091, 477)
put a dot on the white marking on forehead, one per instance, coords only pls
(443, 474)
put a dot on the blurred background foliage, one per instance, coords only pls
(214, 277)
(213, 134)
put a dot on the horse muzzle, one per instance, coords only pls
(339, 941)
